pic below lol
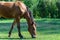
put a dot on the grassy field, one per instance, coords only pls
(47, 29)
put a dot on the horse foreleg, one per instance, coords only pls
(11, 28)
(18, 27)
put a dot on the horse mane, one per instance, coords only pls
(30, 12)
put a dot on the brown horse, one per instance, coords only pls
(17, 10)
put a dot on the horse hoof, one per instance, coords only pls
(8, 35)
(21, 37)
(34, 36)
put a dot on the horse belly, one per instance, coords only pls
(6, 14)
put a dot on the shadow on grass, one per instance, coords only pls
(16, 38)
(48, 26)
(6, 27)
(43, 27)
(9, 38)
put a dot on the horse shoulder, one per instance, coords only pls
(22, 6)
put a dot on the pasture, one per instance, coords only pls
(47, 29)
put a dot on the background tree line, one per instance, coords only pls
(43, 8)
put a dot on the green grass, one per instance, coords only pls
(47, 29)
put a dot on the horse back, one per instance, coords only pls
(7, 9)
(7, 4)
(10, 9)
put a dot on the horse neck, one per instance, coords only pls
(30, 13)
(30, 19)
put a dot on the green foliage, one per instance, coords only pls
(28, 3)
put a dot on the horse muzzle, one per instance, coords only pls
(33, 36)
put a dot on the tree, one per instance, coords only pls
(28, 3)
(58, 6)
(42, 8)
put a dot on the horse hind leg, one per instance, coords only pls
(12, 28)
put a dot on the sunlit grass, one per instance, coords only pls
(28, 37)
